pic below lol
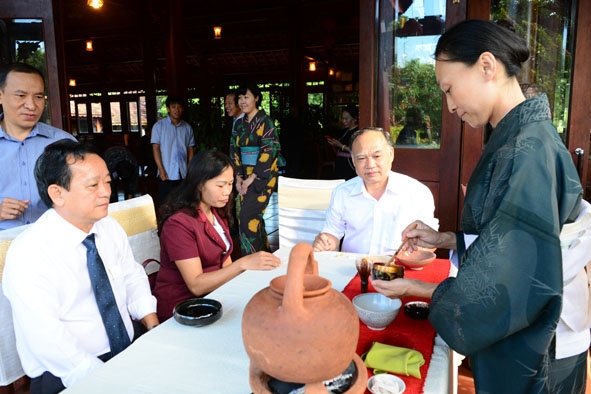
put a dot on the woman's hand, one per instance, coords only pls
(403, 287)
(338, 144)
(260, 261)
(240, 186)
(419, 234)
(243, 184)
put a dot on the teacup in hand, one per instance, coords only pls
(383, 271)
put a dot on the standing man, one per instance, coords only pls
(22, 140)
(71, 278)
(234, 113)
(371, 210)
(232, 108)
(172, 144)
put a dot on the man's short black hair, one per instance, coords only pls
(53, 168)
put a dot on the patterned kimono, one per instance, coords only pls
(502, 308)
(260, 132)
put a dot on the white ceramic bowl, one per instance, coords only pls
(385, 380)
(376, 310)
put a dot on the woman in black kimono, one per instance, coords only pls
(503, 307)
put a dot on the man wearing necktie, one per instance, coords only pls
(71, 278)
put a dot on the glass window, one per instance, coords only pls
(73, 122)
(116, 116)
(82, 118)
(407, 39)
(133, 117)
(21, 40)
(143, 115)
(549, 29)
(97, 117)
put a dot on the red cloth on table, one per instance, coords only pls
(404, 331)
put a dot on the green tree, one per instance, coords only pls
(415, 86)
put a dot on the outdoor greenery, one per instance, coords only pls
(415, 86)
(544, 23)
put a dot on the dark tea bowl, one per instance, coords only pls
(418, 310)
(198, 312)
(382, 271)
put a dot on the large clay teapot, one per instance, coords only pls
(299, 329)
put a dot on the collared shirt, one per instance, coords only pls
(375, 226)
(184, 237)
(236, 119)
(173, 141)
(57, 323)
(17, 163)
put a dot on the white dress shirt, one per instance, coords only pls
(375, 226)
(57, 324)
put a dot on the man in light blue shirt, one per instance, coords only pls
(22, 140)
(172, 144)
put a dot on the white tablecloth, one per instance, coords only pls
(173, 358)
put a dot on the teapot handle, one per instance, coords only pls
(301, 262)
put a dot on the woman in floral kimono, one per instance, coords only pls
(502, 308)
(254, 149)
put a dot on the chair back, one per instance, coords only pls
(137, 216)
(302, 208)
(10, 365)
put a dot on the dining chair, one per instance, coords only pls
(10, 365)
(302, 208)
(137, 216)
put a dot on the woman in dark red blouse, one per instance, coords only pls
(195, 240)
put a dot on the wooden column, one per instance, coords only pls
(176, 69)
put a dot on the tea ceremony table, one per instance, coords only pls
(173, 358)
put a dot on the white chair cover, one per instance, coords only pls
(10, 365)
(302, 208)
(137, 216)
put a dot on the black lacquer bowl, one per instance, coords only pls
(418, 310)
(198, 312)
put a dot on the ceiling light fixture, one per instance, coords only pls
(89, 47)
(96, 4)
(312, 66)
(217, 32)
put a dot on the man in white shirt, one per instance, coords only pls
(371, 210)
(58, 325)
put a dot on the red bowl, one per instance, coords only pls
(415, 260)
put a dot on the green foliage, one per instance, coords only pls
(549, 68)
(206, 121)
(415, 86)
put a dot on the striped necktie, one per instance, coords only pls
(105, 299)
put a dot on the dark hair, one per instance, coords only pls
(170, 100)
(467, 40)
(233, 94)
(18, 68)
(352, 110)
(53, 166)
(254, 89)
(386, 135)
(204, 166)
